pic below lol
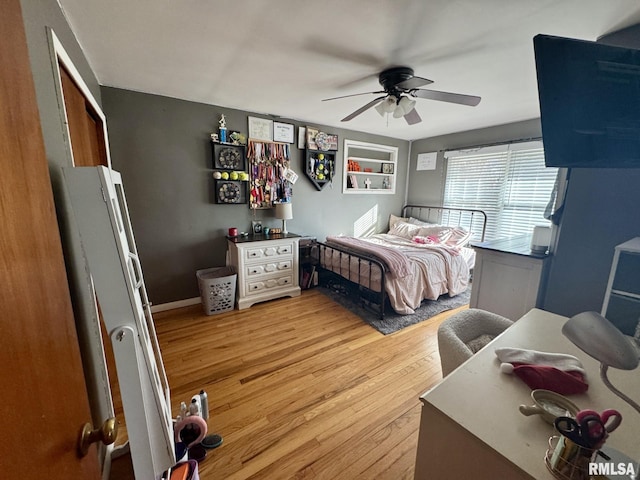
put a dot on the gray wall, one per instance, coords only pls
(161, 146)
(427, 186)
(601, 211)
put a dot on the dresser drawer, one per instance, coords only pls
(271, 267)
(271, 251)
(260, 286)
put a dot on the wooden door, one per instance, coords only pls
(43, 399)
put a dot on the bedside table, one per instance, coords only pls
(267, 267)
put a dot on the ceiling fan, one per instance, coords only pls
(400, 86)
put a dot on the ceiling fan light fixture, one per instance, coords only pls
(388, 105)
(406, 104)
(398, 112)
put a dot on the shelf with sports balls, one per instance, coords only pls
(229, 162)
(319, 166)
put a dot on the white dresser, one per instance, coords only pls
(267, 267)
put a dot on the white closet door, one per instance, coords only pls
(102, 217)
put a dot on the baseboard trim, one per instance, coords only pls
(172, 305)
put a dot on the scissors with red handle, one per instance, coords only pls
(589, 432)
(610, 418)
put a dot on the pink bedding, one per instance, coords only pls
(433, 270)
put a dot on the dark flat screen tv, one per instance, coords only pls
(589, 103)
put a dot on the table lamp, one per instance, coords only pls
(600, 339)
(284, 211)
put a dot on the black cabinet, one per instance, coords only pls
(319, 166)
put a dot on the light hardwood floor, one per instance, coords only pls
(302, 388)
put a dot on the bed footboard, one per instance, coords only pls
(366, 273)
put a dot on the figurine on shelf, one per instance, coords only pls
(223, 128)
(367, 183)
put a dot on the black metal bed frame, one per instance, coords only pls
(471, 219)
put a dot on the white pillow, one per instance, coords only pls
(417, 221)
(439, 233)
(394, 219)
(458, 237)
(404, 230)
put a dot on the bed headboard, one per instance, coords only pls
(471, 219)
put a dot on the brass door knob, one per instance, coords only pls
(106, 434)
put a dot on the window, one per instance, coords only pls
(509, 182)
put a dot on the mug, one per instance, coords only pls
(233, 232)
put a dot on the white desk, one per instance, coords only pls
(470, 425)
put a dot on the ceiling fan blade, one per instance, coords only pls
(459, 98)
(412, 117)
(339, 51)
(353, 95)
(414, 82)
(364, 108)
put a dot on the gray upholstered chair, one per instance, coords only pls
(463, 334)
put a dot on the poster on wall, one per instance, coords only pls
(427, 161)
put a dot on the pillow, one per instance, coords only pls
(404, 230)
(439, 232)
(458, 237)
(393, 220)
(416, 221)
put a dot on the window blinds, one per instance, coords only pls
(509, 182)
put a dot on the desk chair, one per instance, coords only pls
(465, 333)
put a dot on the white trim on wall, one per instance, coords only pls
(178, 304)
(59, 54)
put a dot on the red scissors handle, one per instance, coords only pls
(614, 416)
(605, 417)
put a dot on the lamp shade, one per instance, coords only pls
(598, 337)
(284, 211)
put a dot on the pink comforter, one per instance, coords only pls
(433, 270)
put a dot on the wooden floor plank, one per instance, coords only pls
(301, 388)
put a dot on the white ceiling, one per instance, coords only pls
(282, 57)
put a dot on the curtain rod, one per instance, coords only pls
(494, 144)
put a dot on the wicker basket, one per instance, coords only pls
(217, 289)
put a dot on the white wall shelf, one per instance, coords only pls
(381, 160)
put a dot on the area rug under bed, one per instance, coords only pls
(392, 321)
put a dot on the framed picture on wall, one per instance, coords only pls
(311, 138)
(260, 129)
(283, 132)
